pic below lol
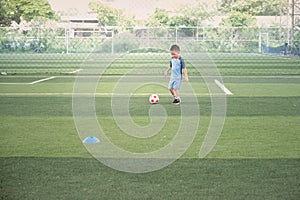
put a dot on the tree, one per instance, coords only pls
(159, 18)
(106, 15)
(254, 7)
(14, 10)
(183, 21)
(188, 16)
(237, 30)
(239, 19)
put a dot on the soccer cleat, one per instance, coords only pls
(176, 101)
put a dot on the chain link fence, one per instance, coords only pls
(145, 39)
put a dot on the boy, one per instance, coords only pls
(177, 65)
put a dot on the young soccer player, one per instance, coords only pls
(176, 67)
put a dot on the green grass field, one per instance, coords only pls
(256, 157)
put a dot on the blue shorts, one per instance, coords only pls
(175, 84)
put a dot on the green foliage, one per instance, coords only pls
(15, 10)
(194, 15)
(32, 39)
(183, 21)
(109, 16)
(126, 21)
(123, 42)
(159, 18)
(233, 38)
(189, 16)
(36, 8)
(254, 7)
(239, 19)
(7, 12)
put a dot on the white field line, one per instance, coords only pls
(14, 83)
(73, 72)
(34, 82)
(41, 80)
(220, 85)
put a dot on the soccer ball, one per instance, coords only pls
(153, 98)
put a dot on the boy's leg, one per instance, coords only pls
(176, 93)
(171, 87)
(174, 87)
(177, 98)
(177, 85)
(172, 92)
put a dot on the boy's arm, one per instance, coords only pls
(167, 71)
(186, 78)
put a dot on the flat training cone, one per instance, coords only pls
(91, 140)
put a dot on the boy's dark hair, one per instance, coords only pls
(175, 47)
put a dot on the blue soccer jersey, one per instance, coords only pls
(177, 66)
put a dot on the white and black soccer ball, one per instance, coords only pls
(153, 99)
